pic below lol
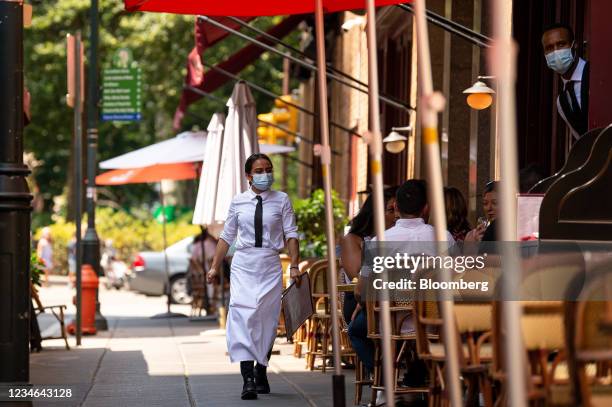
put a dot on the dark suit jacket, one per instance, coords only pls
(576, 117)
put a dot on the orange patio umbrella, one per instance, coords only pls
(150, 174)
(153, 173)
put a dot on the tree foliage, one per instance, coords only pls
(160, 44)
(310, 216)
(129, 234)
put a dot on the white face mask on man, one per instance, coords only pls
(560, 60)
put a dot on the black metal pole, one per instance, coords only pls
(15, 203)
(165, 242)
(91, 241)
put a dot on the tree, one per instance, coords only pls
(160, 44)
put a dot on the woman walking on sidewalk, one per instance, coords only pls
(261, 222)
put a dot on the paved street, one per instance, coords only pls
(164, 362)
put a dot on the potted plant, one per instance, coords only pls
(310, 215)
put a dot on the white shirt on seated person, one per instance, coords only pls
(412, 230)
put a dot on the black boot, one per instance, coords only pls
(261, 379)
(248, 389)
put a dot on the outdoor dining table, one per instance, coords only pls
(346, 287)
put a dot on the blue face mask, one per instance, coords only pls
(560, 60)
(263, 182)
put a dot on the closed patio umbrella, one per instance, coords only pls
(239, 142)
(430, 105)
(502, 60)
(204, 213)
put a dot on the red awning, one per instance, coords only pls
(153, 173)
(213, 80)
(247, 7)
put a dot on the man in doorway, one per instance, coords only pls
(560, 52)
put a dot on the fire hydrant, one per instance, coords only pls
(89, 286)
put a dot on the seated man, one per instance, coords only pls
(411, 205)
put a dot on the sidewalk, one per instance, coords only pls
(174, 362)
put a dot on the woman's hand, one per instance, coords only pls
(212, 275)
(296, 275)
(475, 235)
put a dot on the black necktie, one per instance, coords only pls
(569, 88)
(258, 222)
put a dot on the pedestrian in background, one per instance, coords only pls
(44, 249)
(261, 222)
(202, 252)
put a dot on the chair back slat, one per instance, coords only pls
(588, 335)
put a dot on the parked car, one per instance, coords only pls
(148, 275)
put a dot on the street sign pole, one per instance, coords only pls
(91, 241)
(15, 203)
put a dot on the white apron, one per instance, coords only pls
(255, 302)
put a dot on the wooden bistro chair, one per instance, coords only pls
(473, 316)
(401, 343)
(589, 340)
(197, 280)
(56, 310)
(361, 378)
(545, 277)
(319, 326)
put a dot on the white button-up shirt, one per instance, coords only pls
(576, 80)
(278, 220)
(413, 230)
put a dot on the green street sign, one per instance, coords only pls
(121, 94)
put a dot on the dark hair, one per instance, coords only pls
(202, 236)
(490, 186)
(556, 26)
(362, 224)
(529, 176)
(456, 210)
(248, 165)
(412, 197)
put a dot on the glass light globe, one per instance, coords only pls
(479, 101)
(395, 147)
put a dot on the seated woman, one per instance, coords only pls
(362, 230)
(456, 213)
(486, 231)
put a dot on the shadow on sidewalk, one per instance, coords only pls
(132, 378)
